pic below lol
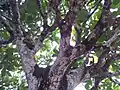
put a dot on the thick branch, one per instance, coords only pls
(74, 77)
(27, 55)
(63, 61)
(104, 21)
(19, 31)
(88, 43)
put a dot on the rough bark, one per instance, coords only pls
(67, 54)
(60, 76)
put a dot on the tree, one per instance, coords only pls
(77, 40)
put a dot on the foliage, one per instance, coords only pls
(11, 75)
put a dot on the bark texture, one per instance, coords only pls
(60, 76)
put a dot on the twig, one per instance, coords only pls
(47, 29)
(16, 17)
(115, 81)
(96, 84)
(113, 38)
(1, 14)
(90, 14)
(43, 14)
(114, 74)
(78, 35)
(9, 29)
(45, 33)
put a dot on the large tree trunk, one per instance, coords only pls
(42, 78)
(55, 77)
(59, 76)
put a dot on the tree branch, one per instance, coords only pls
(27, 55)
(115, 81)
(88, 43)
(63, 61)
(116, 22)
(90, 14)
(106, 74)
(75, 76)
(47, 29)
(113, 38)
(99, 28)
(16, 18)
(102, 59)
(43, 14)
(9, 29)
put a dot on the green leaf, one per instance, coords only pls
(2, 88)
(88, 84)
(115, 2)
(31, 7)
(82, 15)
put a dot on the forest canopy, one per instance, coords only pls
(58, 44)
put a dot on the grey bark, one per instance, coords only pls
(67, 54)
